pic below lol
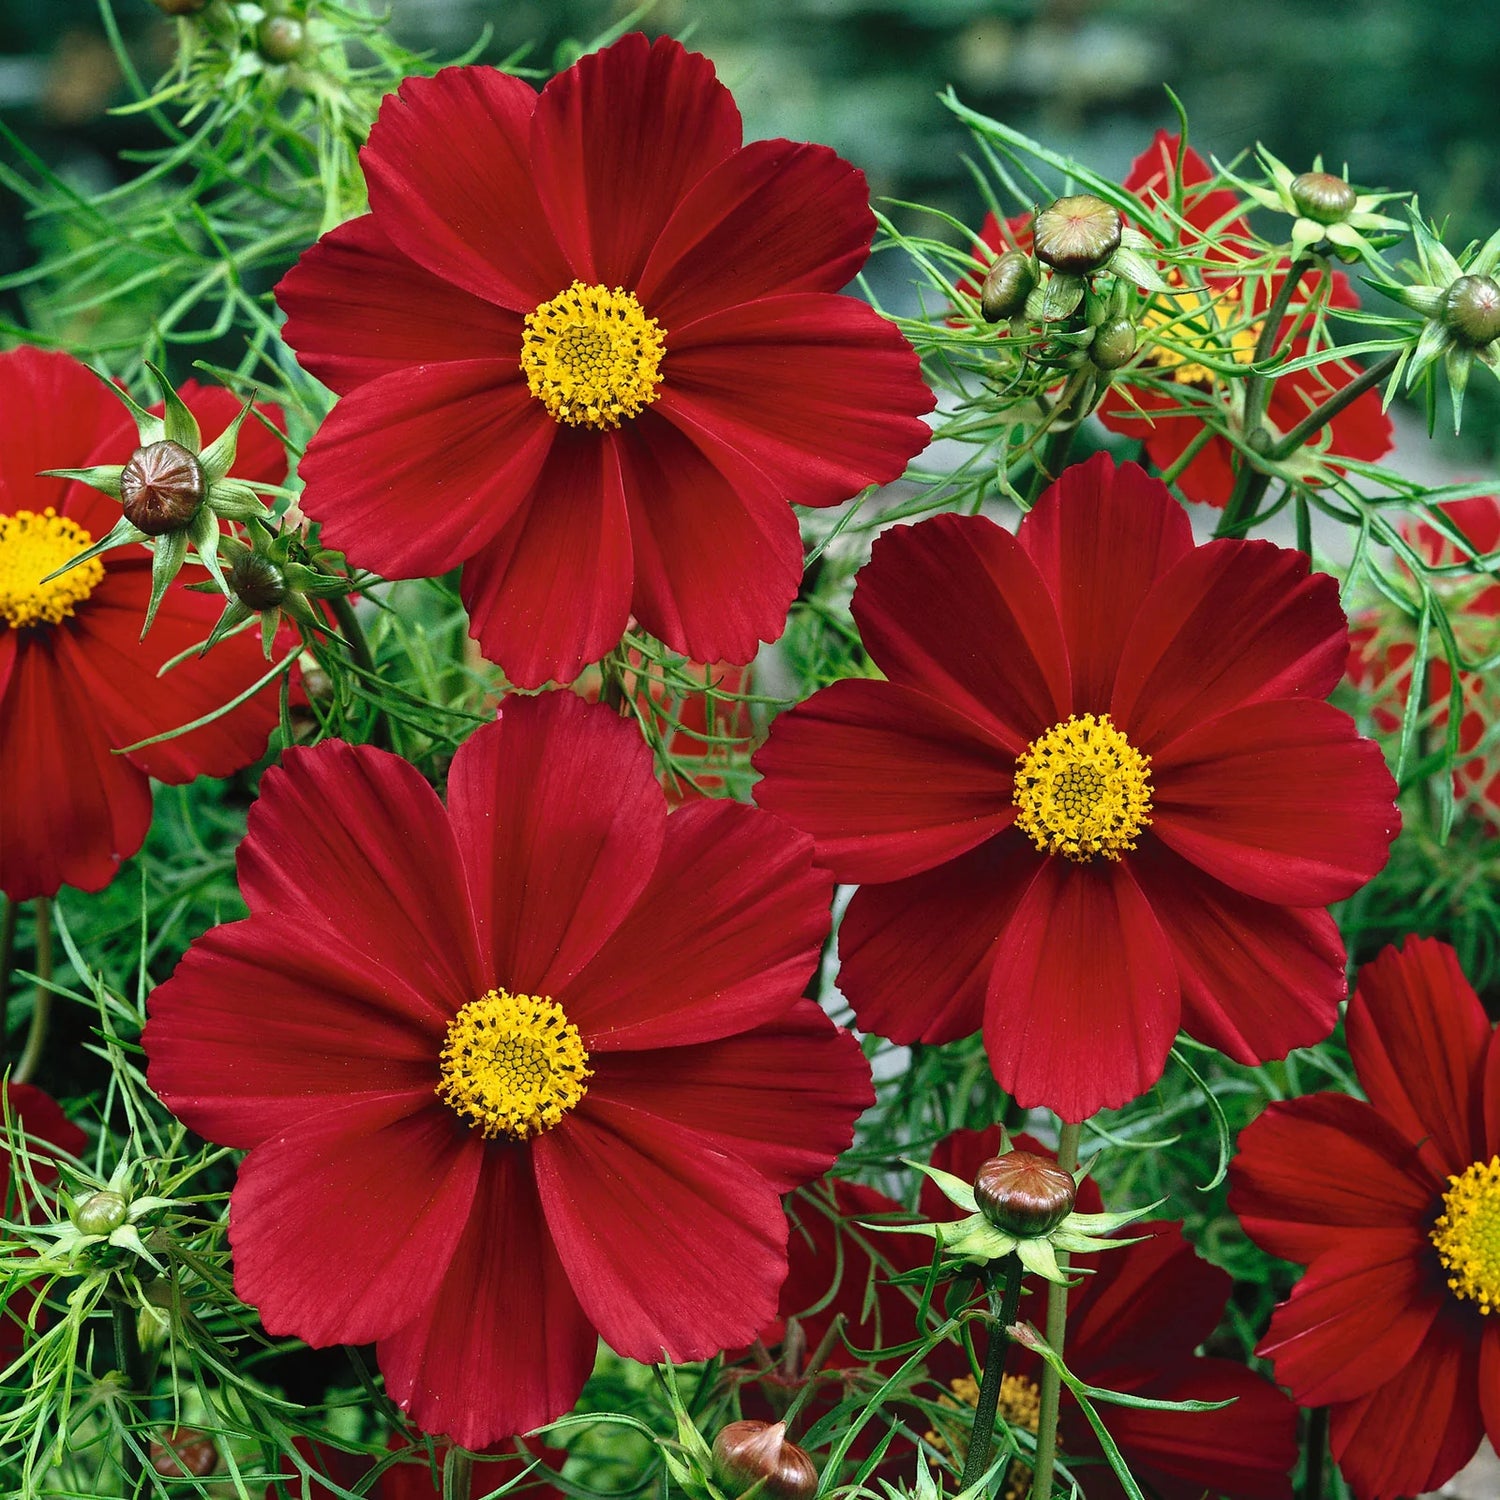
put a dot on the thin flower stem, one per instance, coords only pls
(458, 1475)
(1317, 1447)
(1057, 1321)
(36, 1037)
(1003, 1312)
(359, 650)
(128, 1362)
(7, 962)
(1322, 415)
(1064, 418)
(1258, 386)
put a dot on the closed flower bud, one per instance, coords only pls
(257, 582)
(101, 1213)
(750, 1453)
(184, 1451)
(280, 39)
(1078, 234)
(1024, 1194)
(1006, 287)
(1471, 310)
(1114, 343)
(161, 488)
(1322, 197)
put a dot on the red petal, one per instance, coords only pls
(1257, 979)
(1157, 171)
(503, 1346)
(1417, 1037)
(1282, 800)
(932, 592)
(617, 141)
(819, 392)
(1362, 1310)
(887, 780)
(550, 591)
(916, 955)
(774, 218)
(717, 561)
(1083, 1001)
(341, 1227)
(1413, 1433)
(451, 182)
(357, 308)
(414, 473)
(670, 1243)
(1312, 1173)
(70, 811)
(560, 821)
(782, 1098)
(1233, 623)
(724, 937)
(1101, 537)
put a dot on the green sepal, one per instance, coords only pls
(1433, 340)
(1460, 361)
(270, 623)
(149, 428)
(234, 614)
(120, 534)
(236, 501)
(303, 580)
(203, 532)
(1039, 1258)
(1059, 298)
(1108, 1223)
(102, 477)
(954, 1189)
(179, 425)
(1134, 267)
(166, 563)
(218, 458)
(1488, 258)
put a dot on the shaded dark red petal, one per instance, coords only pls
(451, 182)
(1417, 1037)
(1414, 1432)
(1100, 537)
(503, 1346)
(560, 821)
(617, 141)
(887, 779)
(415, 472)
(670, 1243)
(70, 811)
(1491, 1088)
(1155, 172)
(1282, 800)
(341, 1227)
(931, 593)
(1083, 999)
(916, 955)
(1257, 979)
(550, 591)
(820, 393)
(39, 1117)
(777, 217)
(357, 308)
(717, 560)
(723, 938)
(1233, 623)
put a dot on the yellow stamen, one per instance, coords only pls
(513, 1065)
(1467, 1234)
(31, 547)
(1020, 1405)
(1083, 789)
(1212, 323)
(592, 357)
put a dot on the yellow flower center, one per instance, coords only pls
(1083, 789)
(31, 547)
(513, 1065)
(592, 356)
(1467, 1234)
(1213, 324)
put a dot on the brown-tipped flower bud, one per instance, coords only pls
(1322, 197)
(1024, 1194)
(161, 488)
(1077, 234)
(184, 1451)
(101, 1213)
(1006, 287)
(281, 38)
(257, 582)
(1114, 343)
(747, 1453)
(1472, 310)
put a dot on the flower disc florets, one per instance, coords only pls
(1467, 1234)
(33, 548)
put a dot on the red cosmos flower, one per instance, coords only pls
(549, 1019)
(1097, 797)
(76, 682)
(1394, 1207)
(588, 348)
(1384, 650)
(42, 1120)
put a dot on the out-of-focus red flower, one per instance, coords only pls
(1383, 651)
(1394, 1208)
(1097, 795)
(549, 1018)
(589, 346)
(76, 682)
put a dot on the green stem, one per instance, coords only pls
(1317, 1447)
(36, 1037)
(1057, 1321)
(458, 1475)
(1003, 1312)
(128, 1362)
(1258, 386)
(1320, 416)
(359, 651)
(7, 963)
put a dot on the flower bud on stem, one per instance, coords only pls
(1004, 1309)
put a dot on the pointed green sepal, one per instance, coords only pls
(1038, 1257)
(218, 458)
(121, 534)
(236, 501)
(149, 428)
(179, 424)
(203, 532)
(1060, 297)
(270, 623)
(954, 1189)
(1460, 362)
(1134, 266)
(102, 477)
(166, 563)
(234, 614)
